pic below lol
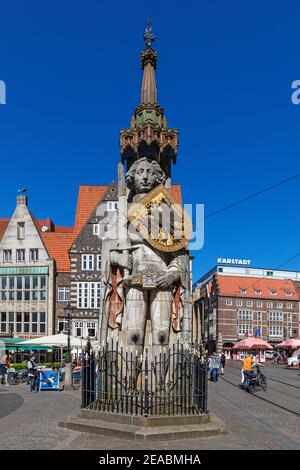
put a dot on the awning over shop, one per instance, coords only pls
(292, 343)
(14, 344)
(252, 343)
(59, 340)
(17, 271)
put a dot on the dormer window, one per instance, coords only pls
(273, 292)
(243, 291)
(257, 291)
(288, 293)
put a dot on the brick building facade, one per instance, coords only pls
(237, 306)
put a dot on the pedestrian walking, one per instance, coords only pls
(33, 374)
(4, 369)
(215, 368)
(223, 363)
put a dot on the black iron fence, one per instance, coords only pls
(170, 383)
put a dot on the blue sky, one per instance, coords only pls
(224, 78)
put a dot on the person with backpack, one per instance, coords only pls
(33, 374)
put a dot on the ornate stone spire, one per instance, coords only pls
(149, 134)
(148, 63)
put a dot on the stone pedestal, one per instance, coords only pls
(142, 429)
(68, 377)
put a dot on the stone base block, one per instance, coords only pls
(150, 429)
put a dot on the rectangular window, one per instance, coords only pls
(249, 303)
(63, 293)
(88, 294)
(19, 295)
(289, 306)
(239, 303)
(269, 304)
(87, 262)
(259, 316)
(27, 282)
(245, 315)
(42, 317)
(245, 329)
(20, 256)
(19, 283)
(62, 325)
(276, 331)
(43, 282)
(7, 256)
(3, 282)
(27, 295)
(96, 229)
(33, 254)
(35, 282)
(3, 322)
(259, 304)
(42, 322)
(11, 282)
(112, 206)
(275, 316)
(21, 230)
(289, 317)
(26, 317)
(43, 295)
(279, 305)
(34, 295)
(228, 302)
(98, 262)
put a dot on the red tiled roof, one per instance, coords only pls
(3, 226)
(232, 286)
(57, 245)
(88, 197)
(63, 229)
(176, 193)
(46, 223)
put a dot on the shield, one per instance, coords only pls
(161, 221)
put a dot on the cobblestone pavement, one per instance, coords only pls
(34, 424)
(253, 424)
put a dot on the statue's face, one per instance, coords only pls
(145, 178)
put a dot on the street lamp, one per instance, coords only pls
(68, 310)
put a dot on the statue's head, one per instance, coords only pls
(144, 175)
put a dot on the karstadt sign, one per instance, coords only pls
(244, 262)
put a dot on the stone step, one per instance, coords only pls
(146, 434)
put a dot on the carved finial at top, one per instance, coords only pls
(148, 35)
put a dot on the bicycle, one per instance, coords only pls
(257, 382)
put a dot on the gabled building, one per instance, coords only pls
(97, 208)
(26, 276)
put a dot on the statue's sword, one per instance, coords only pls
(124, 242)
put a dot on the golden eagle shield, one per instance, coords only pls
(159, 219)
